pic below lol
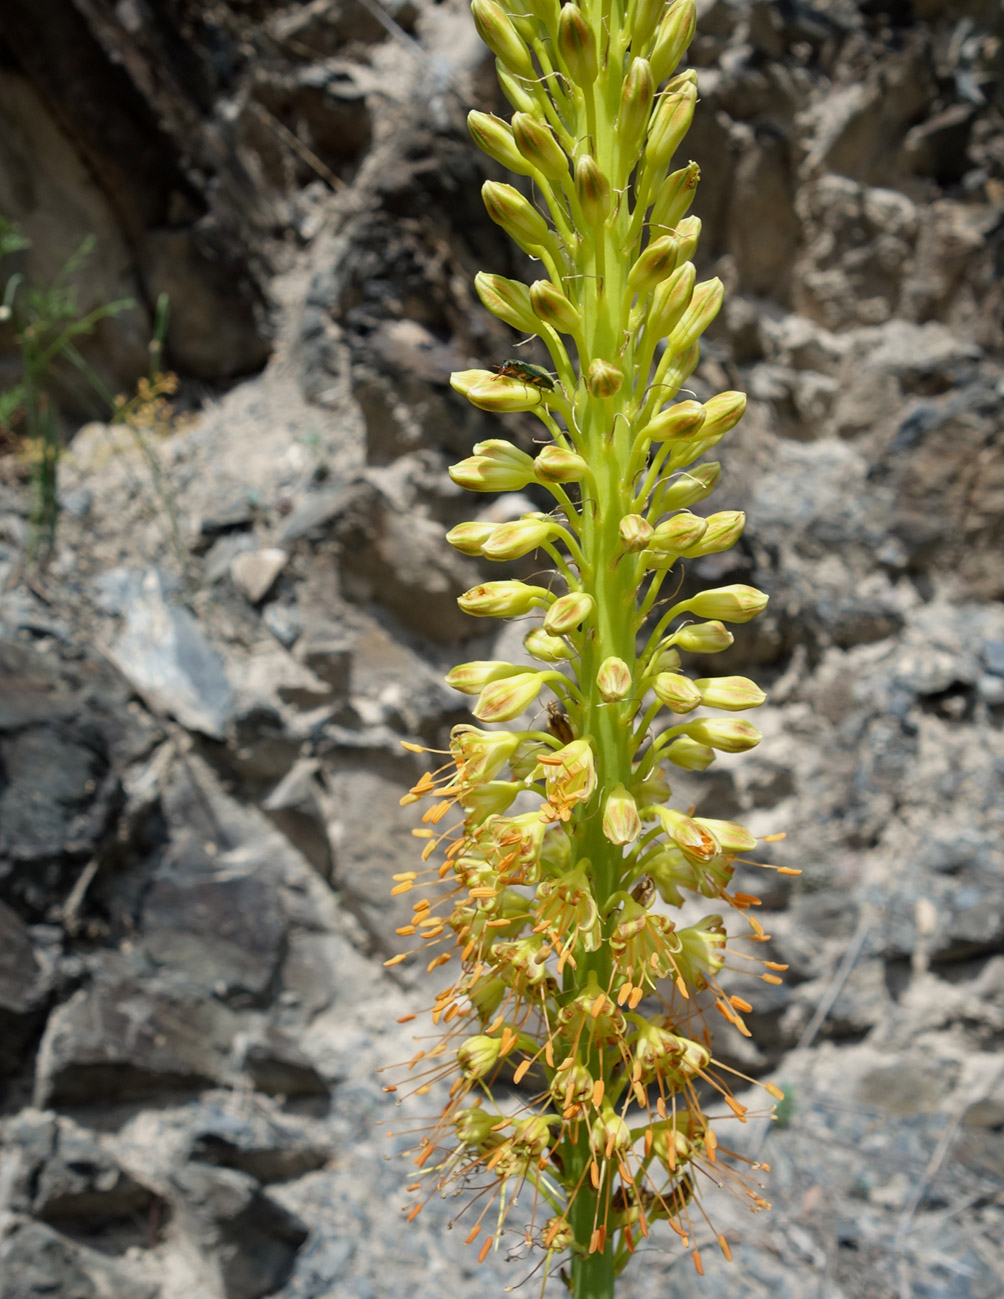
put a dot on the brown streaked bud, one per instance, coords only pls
(637, 95)
(683, 420)
(495, 138)
(674, 34)
(688, 231)
(552, 307)
(689, 487)
(592, 189)
(644, 19)
(537, 145)
(723, 412)
(621, 823)
(736, 603)
(676, 193)
(635, 533)
(516, 215)
(468, 538)
(568, 612)
(501, 701)
(725, 734)
(705, 304)
(471, 678)
(613, 679)
(703, 638)
(654, 264)
(577, 45)
(497, 31)
(507, 299)
(671, 298)
(670, 123)
(603, 379)
(517, 538)
(514, 90)
(724, 530)
(688, 754)
(495, 466)
(679, 532)
(501, 599)
(554, 464)
(678, 371)
(676, 691)
(549, 649)
(734, 694)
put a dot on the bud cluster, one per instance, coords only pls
(562, 858)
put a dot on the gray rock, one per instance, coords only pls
(166, 656)
(294, 807)
(276, 1064)
(262, 1147)
(22, 990)
(38, 1263)
(255, 572)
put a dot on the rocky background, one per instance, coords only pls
(201, 701)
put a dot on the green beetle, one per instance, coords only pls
(535, 375)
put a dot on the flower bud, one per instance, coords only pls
(475, 1128)
(481, 755)
(664, 660)
(518, 538)
(723, 733)
(488, 798)
(609, 1135)
(514, 90)
(572, 1086)
(676, 374)
(496, 466)
(703, 950)
(478, 1055)
(553, 308)
(676, 193)
(724, 530)
(621, 823)
(637, 95)
(501, 701)
(670, 299)
(705, 305)
(737, 603)
(674, 34)
(722, 413)
(497, 31)
(471, 678)
(688, 231)
(688, 754)
(592, 189)
(689, 487)
(507, 299)
(635, 533)
(676, 691)
(731, 693)
(495, 138)
(654, 264)
(603, 379)
(516, 215)
(556, 465)
(703, 638)
(683, 420)
(501, 599)
(568, 612)
(468, 538)
(670, 123)
(645, 17)
(503, 393)
(677, 533)
(577, 45)
(536, 143)
(731, 836)
(549, 649)
(613, 679)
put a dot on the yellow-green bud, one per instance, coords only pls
(538, 146)
(675, 33)
(737, 603)
(549, 649)
(552, 307)
(676, 691)
(495, 138)
(665, 659)
(592, 188)
(732, 693)
(572, 1086)
(689, 487)
(724, 733)
(683, 420)
(688, 754)
(676, 193)
(724, 530)
(475, 1128)
(471, 678)
(556, 465)
(468, 538)
(603, 379)
(501, 599)
(670, 299)
(481, 754)
(613, 680)
(577, 45)
(722, 413)
(609, 1133)
(621, 823)
(670, 123)
(705, 305)
(496, 466)
(501, 701)
(568, 612)
(678, 533)
(678, 371)
(518, 538)
(478, 1055)
(516, 215)
(514, 90)
(732, 837)
(502, 393)
(688, 231)
(497, 31)
(703, 638)
(655, 264)
(644, 18)
(637, 95)
(635, 533)
(490, 797)
(509, 300)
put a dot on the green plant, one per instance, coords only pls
(575, 987)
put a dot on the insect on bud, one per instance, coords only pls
(516, 215)
(592, 189)
(553, 308)
(497, 31)
(556, 465)
(676, 193)
(655, 264)
(674, 34)
(495, 138)
(613, 680)
(670, 123)
(568, 612)
(635, 533)
(577, 45)
(603, 379)
(537, 145)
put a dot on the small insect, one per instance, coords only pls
(644, 891)
(535, 375)
(558, 723)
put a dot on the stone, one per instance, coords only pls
(293, 806)
(39, 1263)
(167, 657)
(255, 1144)
(255, 572)
(249, 1239)
(23, 989)
(276, 1064)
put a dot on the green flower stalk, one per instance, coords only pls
(574, 1043)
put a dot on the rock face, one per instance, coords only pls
(200, 762)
